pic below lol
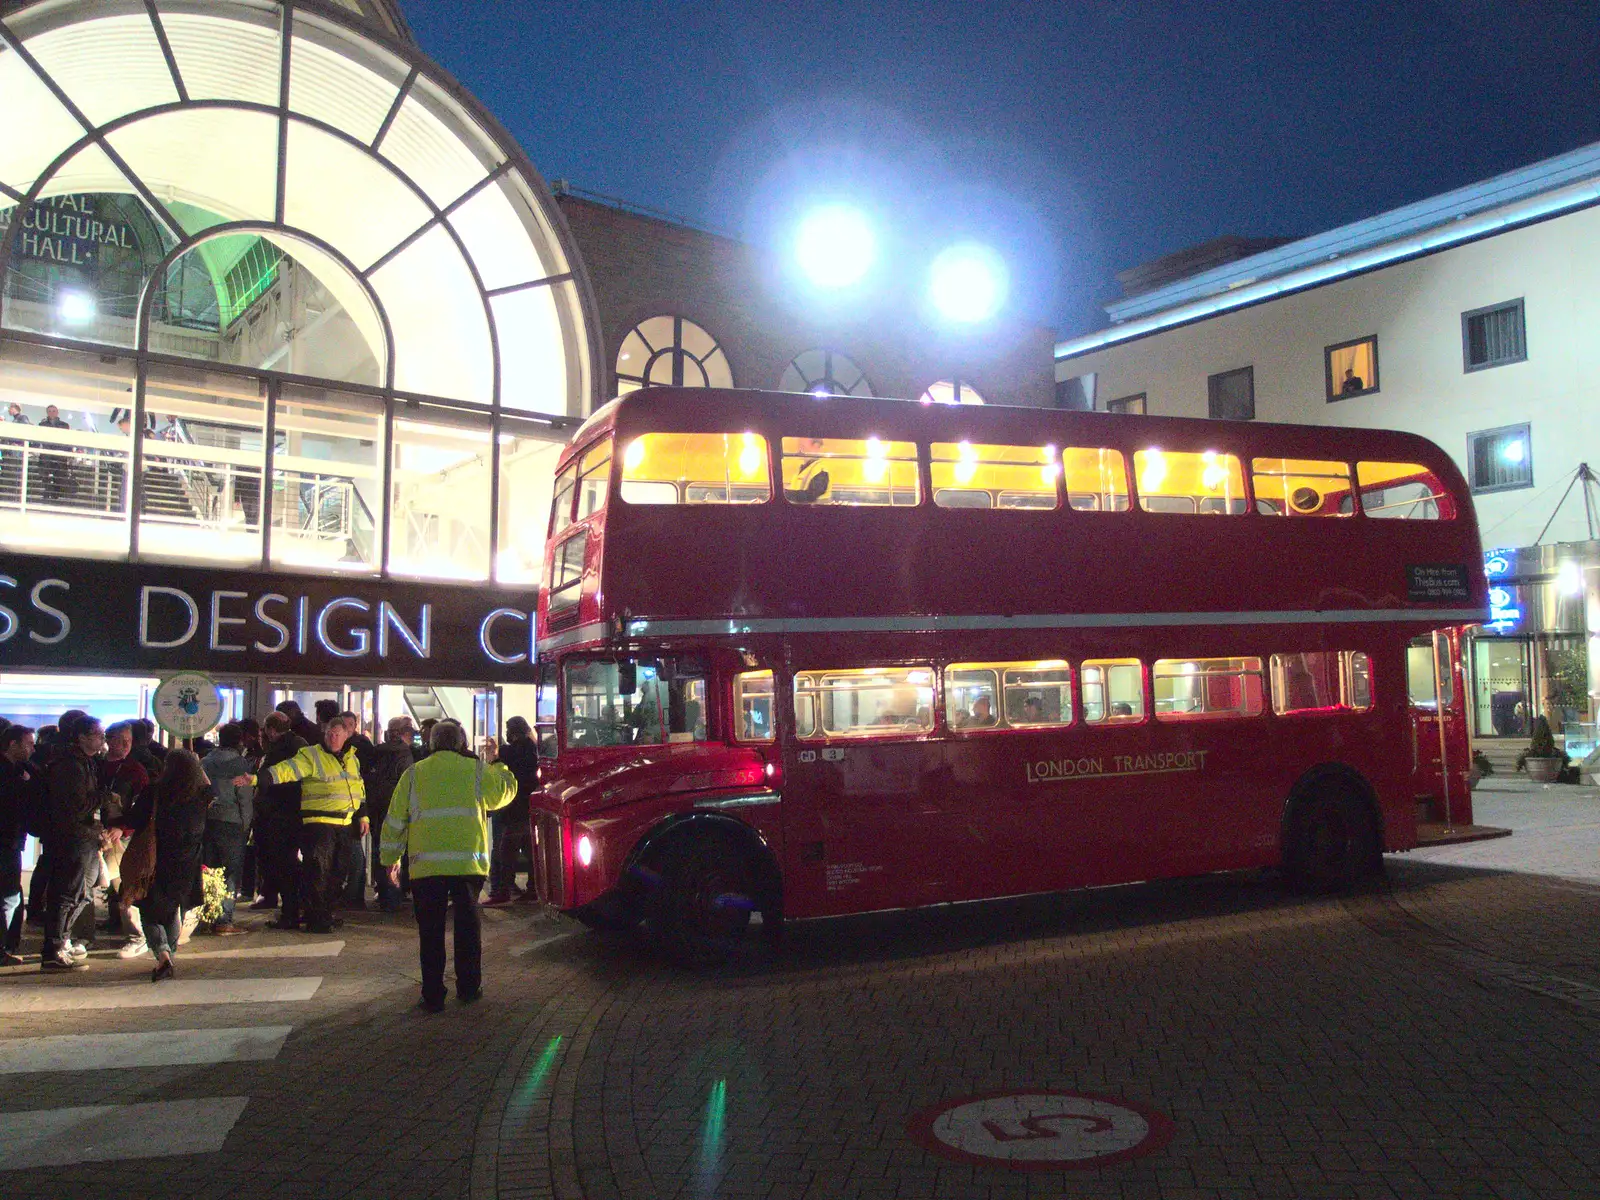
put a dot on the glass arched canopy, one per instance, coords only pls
(215, 181)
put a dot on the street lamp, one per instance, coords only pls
(836, 246)
(968, 283)
(76, 308)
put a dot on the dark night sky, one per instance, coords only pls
(1077, 138)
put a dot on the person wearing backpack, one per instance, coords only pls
(20, 786)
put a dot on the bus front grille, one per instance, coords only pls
(548, 878)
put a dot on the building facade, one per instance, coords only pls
(1467, 318)
(291, 333)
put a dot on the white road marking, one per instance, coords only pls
(304, 950)
(159, 1048)
(108, 1132)
(530, 947)
(158, 995)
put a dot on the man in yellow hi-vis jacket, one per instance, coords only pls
(437, 819)
(331, 795)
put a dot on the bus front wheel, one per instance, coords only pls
(703, 906)
(1333, 842)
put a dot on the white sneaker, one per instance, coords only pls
(134, 948)
(77, 949)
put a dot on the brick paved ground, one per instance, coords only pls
(1437, 1038)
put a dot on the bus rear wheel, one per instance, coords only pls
(1333, 841)
(702, 908)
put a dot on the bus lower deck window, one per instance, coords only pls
(752, 706)
(863, 702)
(1357, 679)
(1207, 688)
(1016, 695)
(1113, 690)
(635, 702)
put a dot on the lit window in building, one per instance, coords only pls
(824, 373)
(670, 352)
(1351, 368)
(951, 391)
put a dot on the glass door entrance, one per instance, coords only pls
(359, 698)
(1502, 687)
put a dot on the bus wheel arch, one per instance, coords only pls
(1332, 832)
(685, 874)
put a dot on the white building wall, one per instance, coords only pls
(1415, 310)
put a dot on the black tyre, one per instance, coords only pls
(1333, 842)
(701, 910)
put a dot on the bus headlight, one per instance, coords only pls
(585, 851)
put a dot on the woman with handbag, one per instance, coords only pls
(176, 833)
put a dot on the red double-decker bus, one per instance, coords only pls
(827, 656)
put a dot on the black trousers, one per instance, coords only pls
(72, 869)
(430, 898)
(322, 860)
(278, 844)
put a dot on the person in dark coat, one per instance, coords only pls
(382, 771)
(510, 824)
(180, 799)
(298, 725)
(20, 785)
(72, 842)
(277, 818)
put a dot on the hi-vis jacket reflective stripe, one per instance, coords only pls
(330, 788)
(437, 816)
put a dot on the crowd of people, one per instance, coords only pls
(299, 815)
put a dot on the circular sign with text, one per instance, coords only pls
(187, 705)
(1041, 1130)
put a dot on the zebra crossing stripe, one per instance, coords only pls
(59, 1137)
(301, 950)
(157, 1048)
(145, 995)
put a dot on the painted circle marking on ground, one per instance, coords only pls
(1041, 1130)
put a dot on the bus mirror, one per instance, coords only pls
(627, 678)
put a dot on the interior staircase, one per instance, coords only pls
(424, 703)
(165, 495)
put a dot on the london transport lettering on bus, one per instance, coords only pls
(1056, 770)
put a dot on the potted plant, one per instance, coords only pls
(1543, 762)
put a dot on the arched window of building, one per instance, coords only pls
(670, 352)
(372, 294)
(951, 391)
(824, 373)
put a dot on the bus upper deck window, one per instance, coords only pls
(1403, 491)
(752, 706)
(1096, 479)
(855, 471)
(561, 506)
(1113, 690)
(696, 468)
(1198, 689)
(971, 475)
(565, 585)
(863, 702)
(1301, 487)
(594, 476)
(1185, 482)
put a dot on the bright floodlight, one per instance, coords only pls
(76, 308)
(968, 283)
(836, 246)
